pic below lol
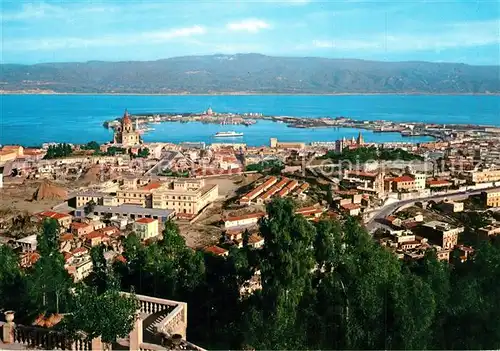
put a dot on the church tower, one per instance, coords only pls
(126, 134)
(360, 141)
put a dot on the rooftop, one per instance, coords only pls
(216, 250)
(246, 216)
(28, 240)
(403, 179)
(52, 214)
(126, 209)
(145, 220)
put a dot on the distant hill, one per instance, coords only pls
(251, 73)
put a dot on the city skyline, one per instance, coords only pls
(54, 31)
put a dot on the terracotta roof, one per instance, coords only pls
(216, 250)
(151, 186)
(351, 206)
(52, 214)
(79, 225)
(32, 257)
(145, 220)
(93, 235)
(67, 256)
(30, 152)
(247, 216)
(391, 218)
(255, 238)
(307, 210)
(250, 195)
(438, 182)
(66, 237)
(110, 230)
(403, 179)
(79, 250)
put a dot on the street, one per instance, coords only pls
(374, 222)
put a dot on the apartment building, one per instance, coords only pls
(79, 264)
(485, 176)
(184, 196)
(420, 181)
(451, 206)
(85, 197)
(364, 181)
(28, 244)
(146, 228)
(489, 231)
(187, 196)
(443, 234)
(404, 183)
(244, 220)
(63, 219)
(491, 198)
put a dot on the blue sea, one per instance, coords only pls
(34, 119)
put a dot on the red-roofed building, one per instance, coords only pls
(243, 220)
(216, 250)
(63, 219)
(146, 228)
(256, 241)
(79, 251)
(152, 186)
(351, 209)
(310, 212)
(28, 259)
(111, 231)
(94, 238)
(438, 183)
(81, 229)
(404, 183)
(247, 198)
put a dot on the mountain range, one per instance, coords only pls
(251, 73)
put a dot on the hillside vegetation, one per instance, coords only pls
(252, 73)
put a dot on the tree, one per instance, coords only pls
(89, 207)
(143, 152)
(91, 145)
(12, 282)
(49, 282)
(286, 264)
(58, 151)
(172, 241)
(100, 277)
(109, 315)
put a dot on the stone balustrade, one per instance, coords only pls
(34, 337)
(174, 322)
(151, 347)
(151, 305)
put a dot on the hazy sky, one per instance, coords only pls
(77, 30)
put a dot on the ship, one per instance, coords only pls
(230, 134)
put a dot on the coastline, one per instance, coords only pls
(248, 94)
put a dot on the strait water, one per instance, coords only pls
(34, 119)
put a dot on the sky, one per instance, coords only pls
(466, 31)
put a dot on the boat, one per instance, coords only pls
(230, 134)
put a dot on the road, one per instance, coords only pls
(374, 222)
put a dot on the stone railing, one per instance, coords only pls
(151, 305)
(40, 338)
(151, 347)
(184, 345)
(175, 322)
